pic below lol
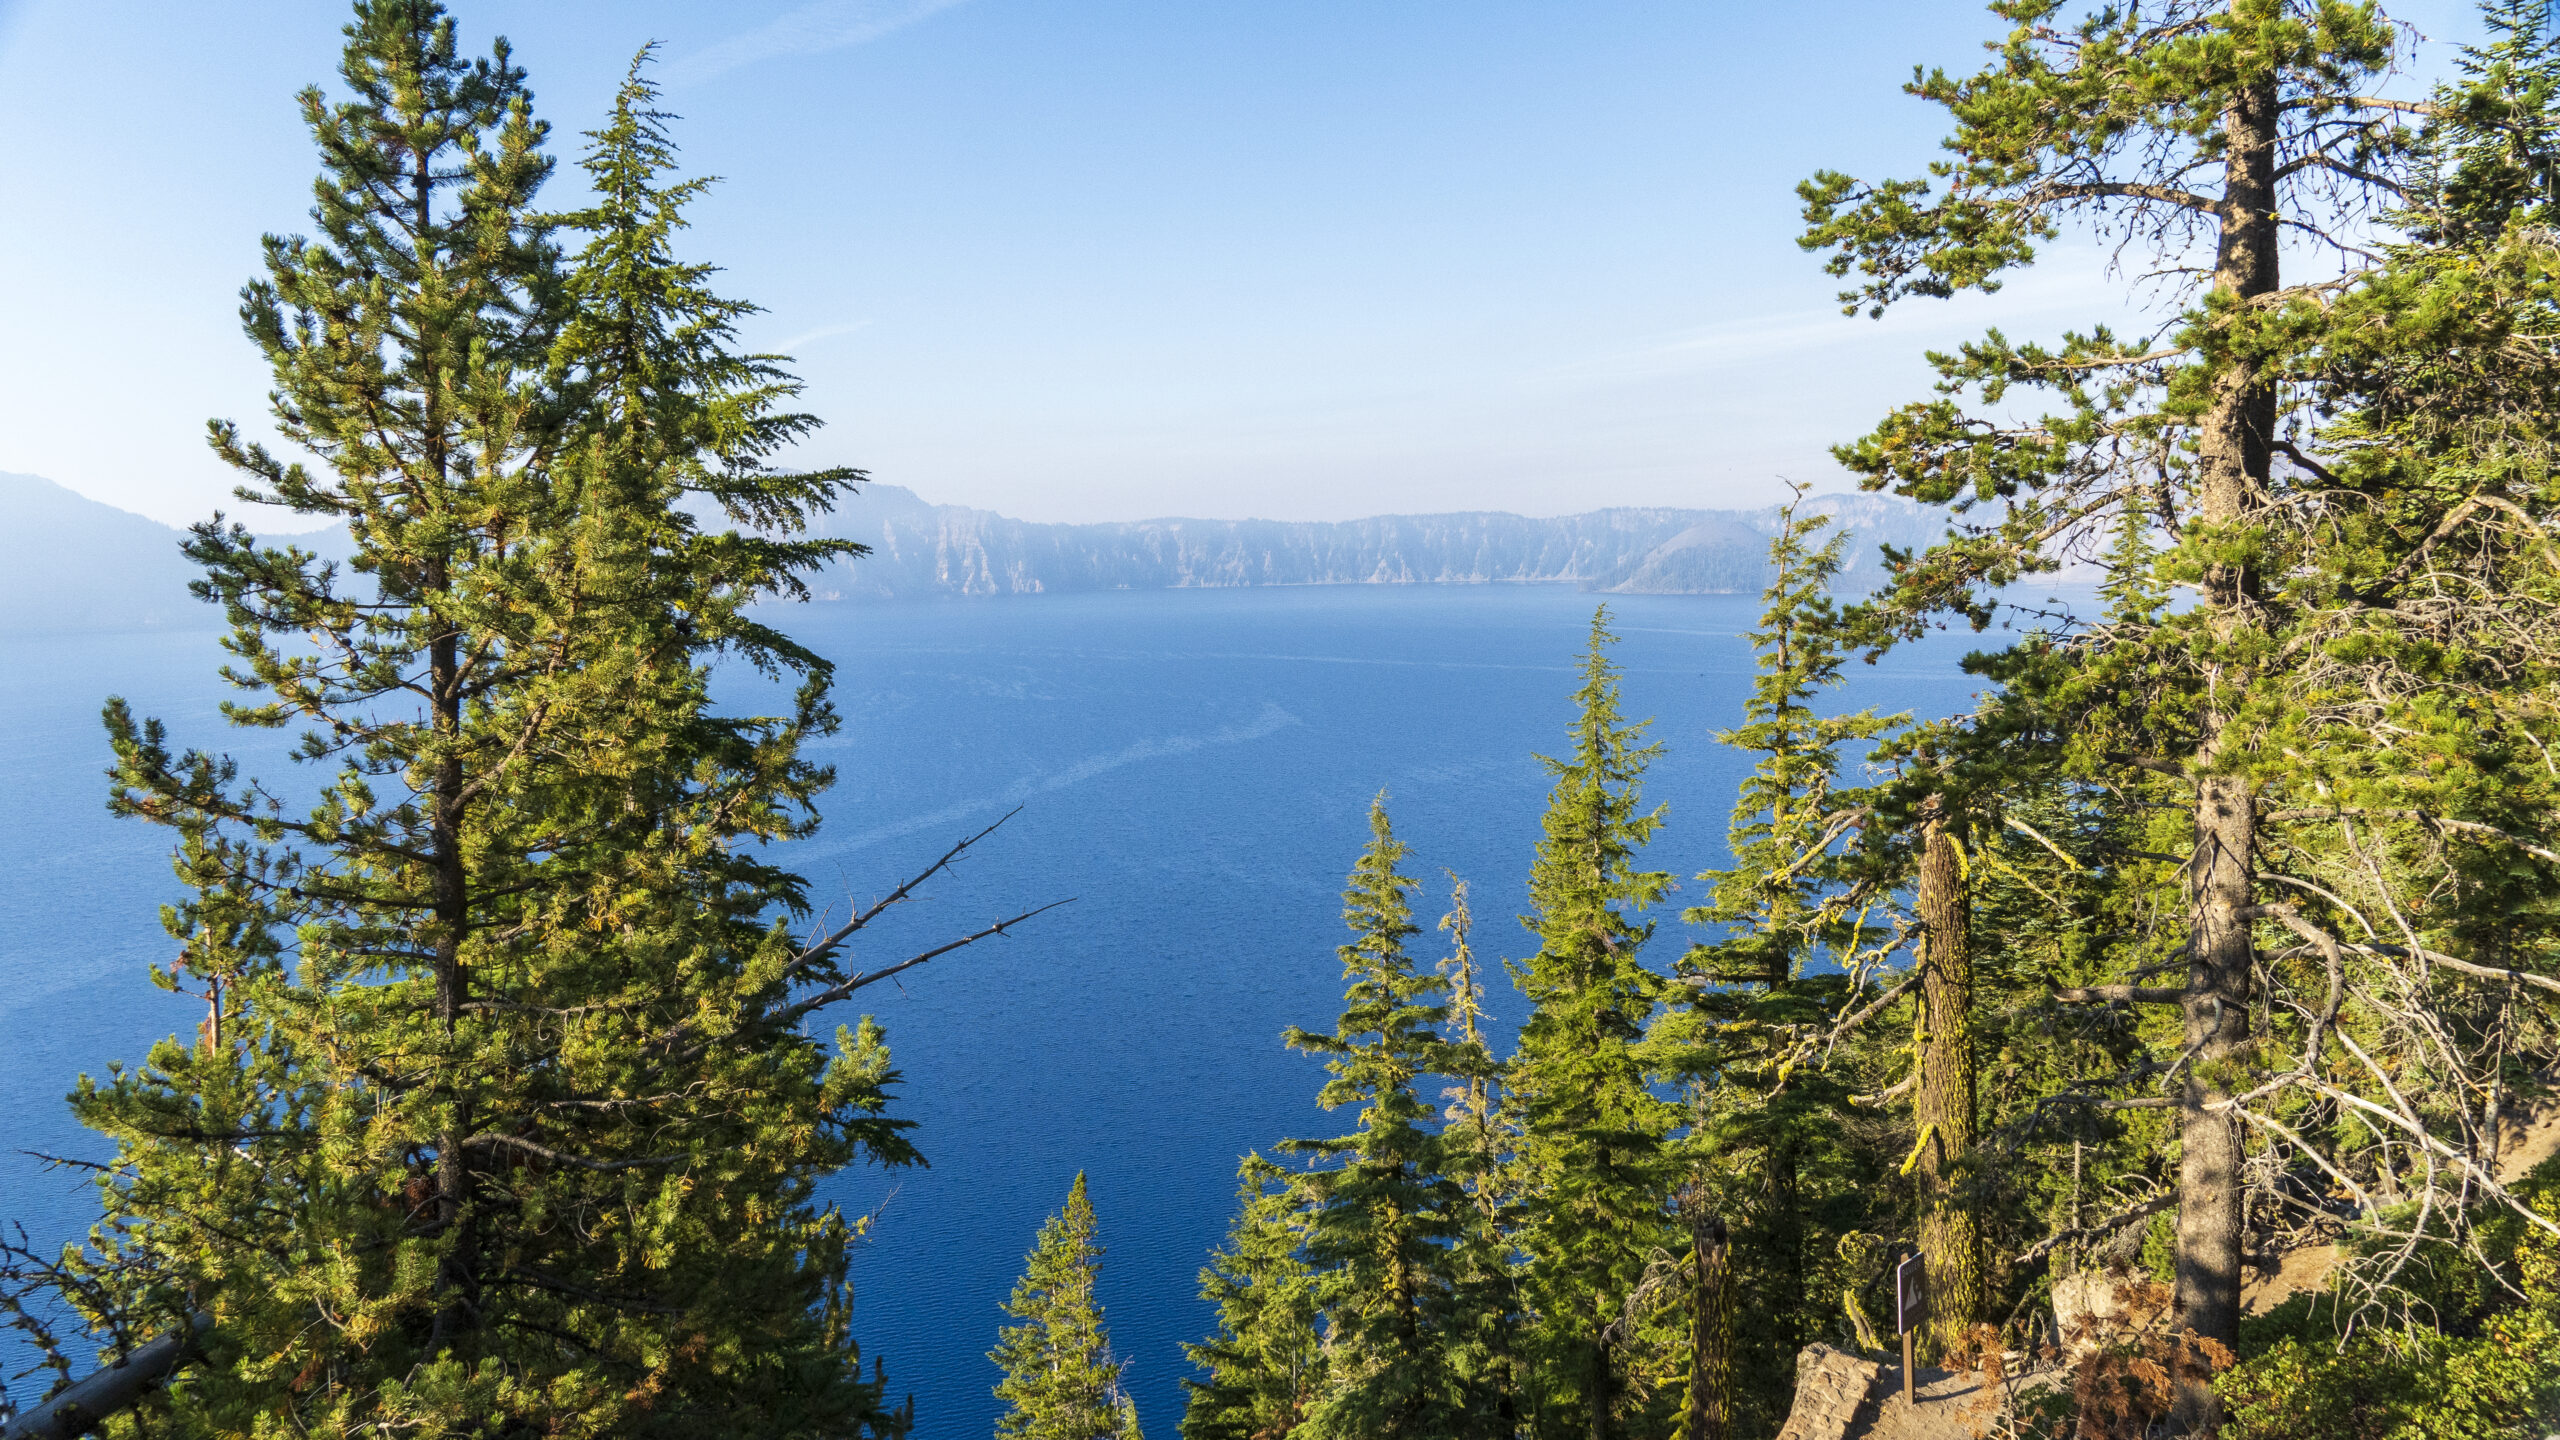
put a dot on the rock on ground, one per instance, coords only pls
(1841, 1397)
(1831, 1391)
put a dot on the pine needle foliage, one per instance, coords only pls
(1061, 1381)
(503, 1123)
(1266, 1365)
(1481, 1330)
(1384, 1208)
(1588, 1129)
(1743, 1033)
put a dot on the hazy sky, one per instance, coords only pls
(1091, 259)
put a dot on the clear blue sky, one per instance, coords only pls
(1091, 259)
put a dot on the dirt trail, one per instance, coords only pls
(1842, 1397)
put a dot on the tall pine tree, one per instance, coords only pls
(508, 1082)
(1587, 1165)
(2201, 128)
(1384, 1209)
(1743, 1037)
(1482, 1332)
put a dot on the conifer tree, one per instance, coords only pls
(1944, 1102)
(507, 1078)
(1482, 1328)
(1587, 1162)
(1384, 1209)
(2334, 459)
(1060, 1379)
(2199, 127)
(1266, 1364)
(1745, 1029)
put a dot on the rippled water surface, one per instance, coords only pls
(1192, 767)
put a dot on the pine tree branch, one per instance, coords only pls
(842, 988)
(1867, 1011)
(2118, 1220)
(2123, 190)
(645, 1162)
(2122, 995)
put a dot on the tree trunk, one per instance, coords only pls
(1786, 1294)
(1943, 1104)
(2233, 457)
(457, 1278)
(1710, 1408)
(1600, 1381)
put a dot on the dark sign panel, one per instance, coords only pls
(1910, 1295)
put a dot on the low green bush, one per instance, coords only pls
(2502, 1385)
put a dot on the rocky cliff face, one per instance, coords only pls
(76, 565)
(919, 549)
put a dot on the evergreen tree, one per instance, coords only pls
(2357, 756)
(506, 1080)
(1060, 1380)
(2493, 157)
(1481, 1331)
(1747, 1031)
(1266, 1364)
(1587, 1162)
(1384, 1210)
(2200, 127)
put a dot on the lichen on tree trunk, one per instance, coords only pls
(1708, 1413)
(1943, 1101)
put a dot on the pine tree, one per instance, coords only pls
(1060, 1380)
(506, 1077)
(1743, 1037)
(2493, 158)
(2197, 126)
(1587, 1161)
(2352, 749)
(1481, 1329)
(1384, 1209)
(1266, 1364)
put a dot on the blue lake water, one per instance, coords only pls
(1192, 766)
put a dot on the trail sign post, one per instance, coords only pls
(1910, 1308)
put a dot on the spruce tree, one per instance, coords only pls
(508, 1082)
(1384, 1209)
(1060, 1379)
(1587, 1162)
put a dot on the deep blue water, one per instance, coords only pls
(1192, 766)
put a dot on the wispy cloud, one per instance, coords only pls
(811, 337)
(809, 30)
(2038, 295)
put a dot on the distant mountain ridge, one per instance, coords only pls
(919, 548)
(74, 564)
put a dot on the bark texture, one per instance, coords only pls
(1709, 1413)
(1943, 1102)
(2234, 451)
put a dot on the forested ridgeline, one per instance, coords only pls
(2185, 1008)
